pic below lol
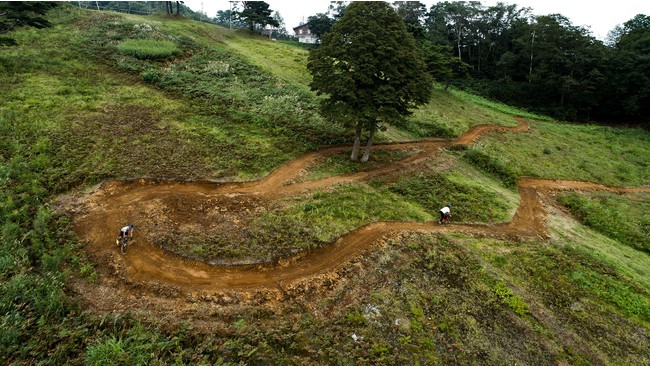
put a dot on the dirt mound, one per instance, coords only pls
(196, 207)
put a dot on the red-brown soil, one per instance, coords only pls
(148, 274)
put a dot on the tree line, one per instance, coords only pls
(542, 63)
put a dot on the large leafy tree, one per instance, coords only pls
(320, 24)
(256, 13)
(370, 69)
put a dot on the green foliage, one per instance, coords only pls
(138, 346)
(148, 49)
(256, 13)
(492, 166)
(509, 298)
(614, 156)
(320, 24)
(340, 163)
(356, 318)
(369, 68)
(620, 218)
(470, 202)
(14, 14)
(629, 301)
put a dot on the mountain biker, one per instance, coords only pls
(445, 213)
(126, 231)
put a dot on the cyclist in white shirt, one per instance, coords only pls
(445, 214)
(126, 231)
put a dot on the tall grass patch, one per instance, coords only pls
(148, 49)
(449, 115)
(568, 287)
(492, 166)
(470, 202)
(624, 219)
(609, 155)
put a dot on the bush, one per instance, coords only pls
(147, 49)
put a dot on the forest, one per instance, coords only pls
(542, 63)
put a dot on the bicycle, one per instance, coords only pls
(445, 220)
(123, 244)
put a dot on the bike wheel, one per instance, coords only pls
(124, 246)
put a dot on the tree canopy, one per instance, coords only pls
(22, 13)
(320, 24)
(256, 13)
(370, 69)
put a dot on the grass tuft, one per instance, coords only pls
(148, 49)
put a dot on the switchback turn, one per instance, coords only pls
(148, 265)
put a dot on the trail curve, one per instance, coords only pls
(147, 263)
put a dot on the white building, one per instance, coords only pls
(304, 34)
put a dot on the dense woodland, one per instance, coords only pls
(539, 62)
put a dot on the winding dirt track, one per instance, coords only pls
(147, 264)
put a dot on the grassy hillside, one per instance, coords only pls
(112, 96)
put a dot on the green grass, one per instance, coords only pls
(626, 220)
(569, 286)
(340, 163)
(148, 49)
(286, 62)
(450, 114)
(75, 112)
(625, 260)
(492, 166)
(471, 202)
(614, 156)
(497, 106)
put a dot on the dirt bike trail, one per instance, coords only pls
(116, 202)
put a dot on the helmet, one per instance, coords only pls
(131, 226)
(449, 205)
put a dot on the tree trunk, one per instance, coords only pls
(366, 154)
(532, 50)
(178, 8)
(357, 142)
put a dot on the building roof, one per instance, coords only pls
(301, 26)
